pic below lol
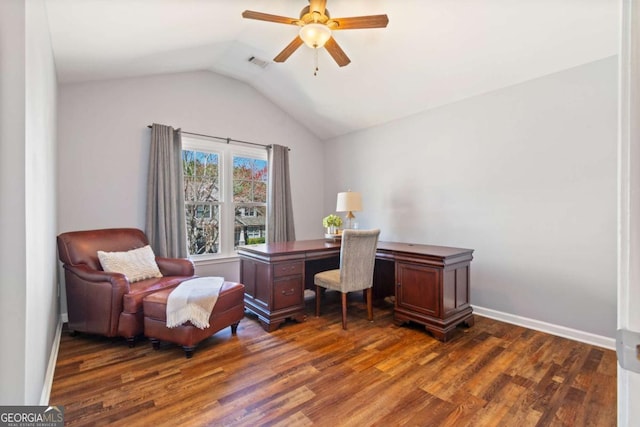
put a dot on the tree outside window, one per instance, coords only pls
(250, 200)
(201, 198)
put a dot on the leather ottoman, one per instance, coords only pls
(227, 311)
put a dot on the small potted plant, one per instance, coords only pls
(331, 223)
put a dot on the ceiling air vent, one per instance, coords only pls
(259, 62)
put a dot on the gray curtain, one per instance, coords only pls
(280, 216)
(165, 222)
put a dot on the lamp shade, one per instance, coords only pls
(349, 201)
(315, 35)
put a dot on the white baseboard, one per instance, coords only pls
(51, 367)
(561, 331)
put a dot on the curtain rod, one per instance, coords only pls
(227, 140)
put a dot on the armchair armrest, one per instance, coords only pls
(84, 272)
(175, 266)
(94, 299)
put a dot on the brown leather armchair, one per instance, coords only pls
(106, 303)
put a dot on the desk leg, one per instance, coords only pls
(269, 326)
(445, 335)
(272, 323)
(440, 330)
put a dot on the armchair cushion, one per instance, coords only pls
(136, 264)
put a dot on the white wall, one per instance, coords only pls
(12, 187)
(104, 145)
(525, 175)
(42, 301)
(28, 290)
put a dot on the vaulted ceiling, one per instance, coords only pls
(433, 52)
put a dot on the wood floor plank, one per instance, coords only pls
(316, 374)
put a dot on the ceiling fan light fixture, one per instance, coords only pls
(315, 35)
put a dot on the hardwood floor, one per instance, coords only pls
(314, 373)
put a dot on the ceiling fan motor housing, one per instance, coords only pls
(307, 16)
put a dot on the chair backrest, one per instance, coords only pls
(81, 247)
(357, 259)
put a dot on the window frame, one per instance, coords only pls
(226, 153)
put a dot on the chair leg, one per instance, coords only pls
(318, 296)
(344, 310)
(369, 305)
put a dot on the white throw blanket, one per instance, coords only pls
(192, 301)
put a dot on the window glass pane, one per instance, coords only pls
(207, 190)
(203, 232)
(201, 176)
(260, 170)
(250, 225)
(206, 164)
(201, 194)
(249, 180)
(242, 168)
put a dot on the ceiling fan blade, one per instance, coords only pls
(336, 52)
(287, 51)
(317, 6)
(357, 22)
(250, 14)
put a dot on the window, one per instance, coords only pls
(225, 193)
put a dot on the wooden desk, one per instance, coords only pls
(431, 283)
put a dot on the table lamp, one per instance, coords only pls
(349, 201)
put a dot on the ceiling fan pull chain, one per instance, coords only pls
(315, 72)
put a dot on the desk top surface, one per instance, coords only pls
(319, 245)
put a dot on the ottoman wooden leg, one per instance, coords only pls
(155, 343)
(188, 351)
(234, 328)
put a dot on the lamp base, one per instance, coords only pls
(350, 218)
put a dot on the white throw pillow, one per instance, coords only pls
(136, 264)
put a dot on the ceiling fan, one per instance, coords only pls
(316, 26)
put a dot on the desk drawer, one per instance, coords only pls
(287, 269)
(287, 293)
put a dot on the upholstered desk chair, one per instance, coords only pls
(357, 259)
